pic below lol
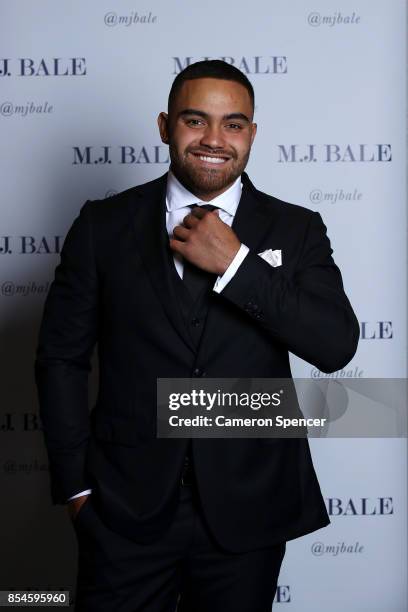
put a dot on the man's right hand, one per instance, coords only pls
(75, 504)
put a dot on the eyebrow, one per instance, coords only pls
(194, 111)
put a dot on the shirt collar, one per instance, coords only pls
(177, 196)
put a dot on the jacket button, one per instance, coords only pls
(198, 372)
(195, 322)
(251, 307)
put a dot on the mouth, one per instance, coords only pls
(211, 160)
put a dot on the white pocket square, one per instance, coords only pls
(274, 258)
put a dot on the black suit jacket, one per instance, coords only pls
(113, 287)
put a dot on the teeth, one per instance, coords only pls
(212, 160)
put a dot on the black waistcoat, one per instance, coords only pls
(193, 311)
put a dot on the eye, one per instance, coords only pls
(234, 126)
(194, 122)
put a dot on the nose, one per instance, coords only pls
(213, 137)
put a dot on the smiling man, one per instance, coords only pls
(195, 274)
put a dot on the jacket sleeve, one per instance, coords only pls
(307, 311)
(67, 336)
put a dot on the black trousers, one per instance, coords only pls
(185, 570)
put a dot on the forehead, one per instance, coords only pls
(214, 95)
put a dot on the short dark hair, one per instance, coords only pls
(214, 69)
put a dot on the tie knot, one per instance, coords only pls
(206, 206)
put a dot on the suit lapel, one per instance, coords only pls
(253, 217)
(148, 216)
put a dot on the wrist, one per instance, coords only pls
(228, 259)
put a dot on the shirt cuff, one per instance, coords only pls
(223, 280)
(79, 494)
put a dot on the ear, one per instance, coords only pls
(163, 123)
(254, 128)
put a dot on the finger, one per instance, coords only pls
(190, 221)
(199, 212)
(177, 246)
(180, 232)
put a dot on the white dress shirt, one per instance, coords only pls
(178, 203)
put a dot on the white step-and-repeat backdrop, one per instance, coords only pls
(81, 85)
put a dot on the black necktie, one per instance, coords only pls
(197, 280)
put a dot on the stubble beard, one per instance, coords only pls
(205, 181)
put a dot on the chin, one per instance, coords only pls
(211, 180)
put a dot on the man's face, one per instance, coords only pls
(210, 132)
